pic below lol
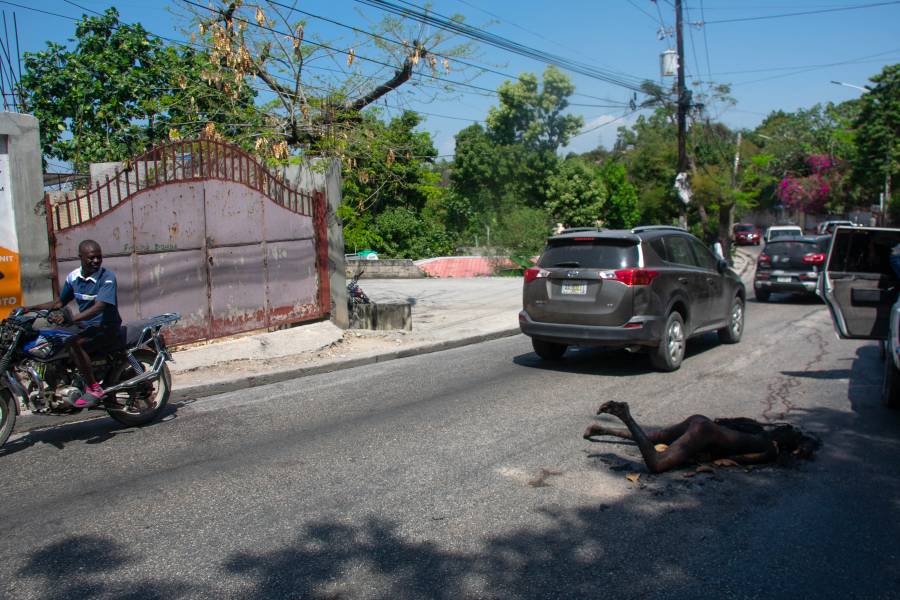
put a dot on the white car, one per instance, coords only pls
(828, 227)
(781, 231)
(861, 288)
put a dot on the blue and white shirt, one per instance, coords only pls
(101, 286)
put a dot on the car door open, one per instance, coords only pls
(858, 283)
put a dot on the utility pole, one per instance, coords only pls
(726, 218)
(683, 103)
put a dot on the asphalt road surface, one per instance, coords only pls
(463, 474)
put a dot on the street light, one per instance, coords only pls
(863, 89)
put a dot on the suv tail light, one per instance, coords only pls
(814, 258)
(764, 258)
(636, 276)
(533, 273)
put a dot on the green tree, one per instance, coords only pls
(622, 209)
(649, 153)
(393, 169)
(119, 90)
(523, 230)
(877, 161)
(405, 235)
(576, 193)
(507, 165)
(534, 115)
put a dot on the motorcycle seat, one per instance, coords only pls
(130, 332)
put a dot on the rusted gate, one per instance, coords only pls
(202, 228)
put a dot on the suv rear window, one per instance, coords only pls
(744, 228)
(778, 233)
(795, 249)
(590, 254)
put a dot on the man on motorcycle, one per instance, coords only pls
(96, 323)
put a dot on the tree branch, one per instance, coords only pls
(400, 77)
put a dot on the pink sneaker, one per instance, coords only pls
(90, 397)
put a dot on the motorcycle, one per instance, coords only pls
(37, 373)
(355, 295)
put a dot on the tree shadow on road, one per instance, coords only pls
(88, 566)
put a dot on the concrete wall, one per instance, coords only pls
(27, 194)
(325, 175)
(390, 268)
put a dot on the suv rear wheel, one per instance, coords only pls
(548, 350)
(761, 295)
(670, 352)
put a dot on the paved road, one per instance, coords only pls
(462, 474)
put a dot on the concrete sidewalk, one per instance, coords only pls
(446, 313)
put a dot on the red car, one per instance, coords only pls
(746, 234)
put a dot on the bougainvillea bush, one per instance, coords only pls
(818, 189)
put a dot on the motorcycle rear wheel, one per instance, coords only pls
(7, 415)
(145, 403)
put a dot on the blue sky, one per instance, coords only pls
(772, 63)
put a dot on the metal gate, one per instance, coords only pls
(200, 227)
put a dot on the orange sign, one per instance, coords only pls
(10, 284)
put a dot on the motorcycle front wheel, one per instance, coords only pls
(7, 415)
(146, 401)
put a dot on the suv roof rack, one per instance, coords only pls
(579, 230)
(642, 228)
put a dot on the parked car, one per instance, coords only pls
(789, 265)
(779, 231)
(746, 234)
(646, 289)
(861, 290)
(828, 227)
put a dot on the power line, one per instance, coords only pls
(596, 127)
(482, 68)
(693, 46)
(378, 62)
(705, 43)
(448, 24)
(810, 67)
(804, 13)
(652, 18)
(339, 51)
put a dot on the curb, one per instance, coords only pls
(181, 396)
(211, 389)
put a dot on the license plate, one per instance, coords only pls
(784, 280)
(574, 288)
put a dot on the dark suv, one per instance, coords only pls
(790, 265)
(648, 288)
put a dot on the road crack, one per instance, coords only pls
(778, 404)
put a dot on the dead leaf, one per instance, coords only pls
(705, 469)
(725, 462)
(661, 447)
(633, 477)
